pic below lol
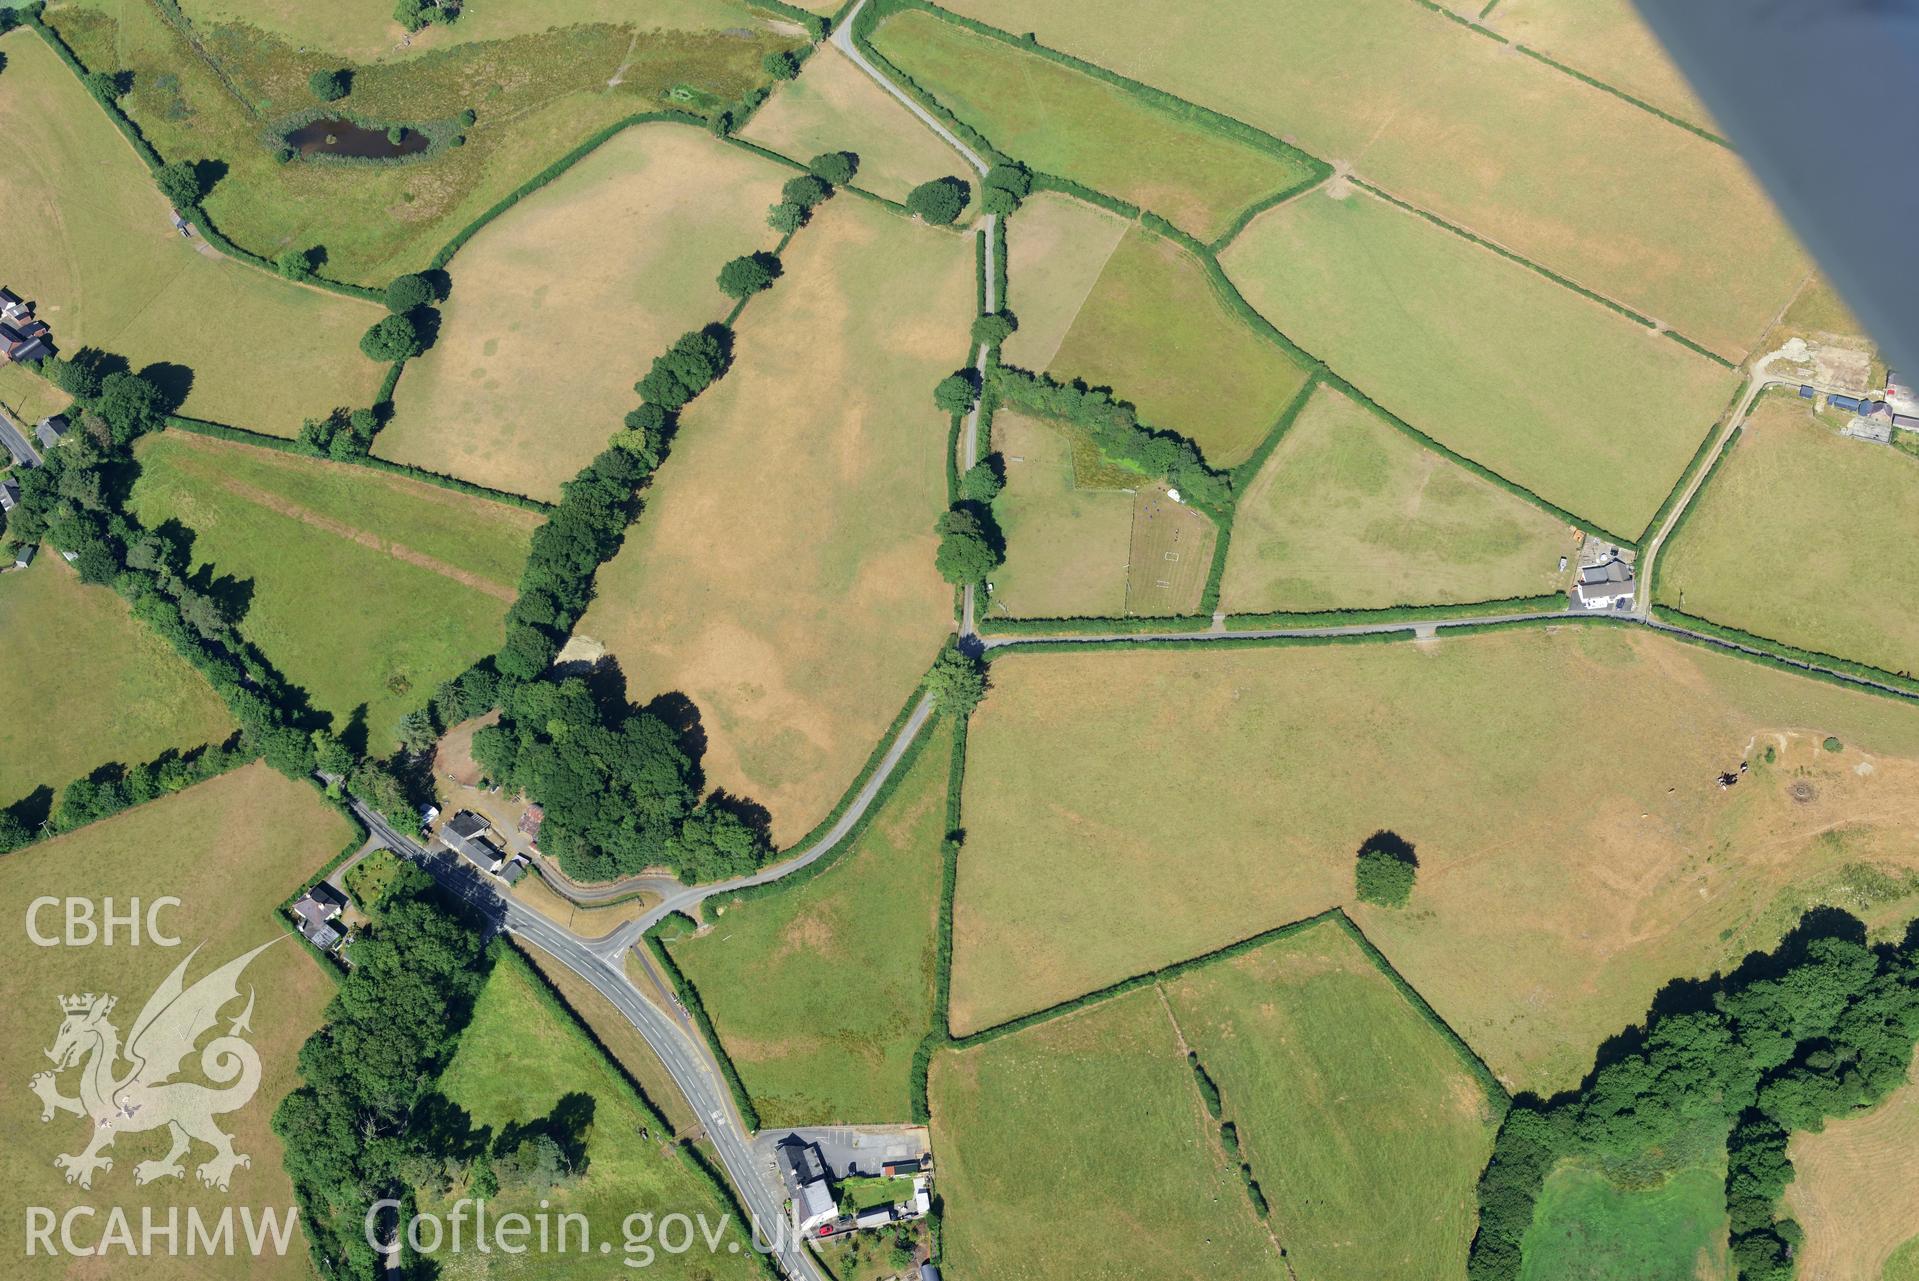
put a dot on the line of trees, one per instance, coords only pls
(368, 1122)
(77, 502)
(1821, 1026)
(1116, 429)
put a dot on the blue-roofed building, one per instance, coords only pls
(1806, 391)
(1843, 402)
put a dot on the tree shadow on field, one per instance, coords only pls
(174, 382)
(748, 811)
(682, 716)
(568, 1125)
(1391, 844)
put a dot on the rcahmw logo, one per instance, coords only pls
(127, 1087)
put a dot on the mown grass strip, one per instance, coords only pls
(1395, 613)
(1197, 640)
(280, 444)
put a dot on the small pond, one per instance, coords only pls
(345, 138)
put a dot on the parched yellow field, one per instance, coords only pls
(1805, 536)
(1556, 393)
(91, 241)
(1066, 547)
(1575, 851)
(103, 687)
(559, 306)
(1056, 248)
(1132, 1180)
(1853, 1190)
(782, 577)
(1350, 513)
(229, 849)
(1599, 190)
(834, 106)
(1153, 329)
(1605, 39)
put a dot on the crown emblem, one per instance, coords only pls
(82, 1004)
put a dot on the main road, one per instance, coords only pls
(685, 1059)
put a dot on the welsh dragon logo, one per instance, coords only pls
(143, 1095)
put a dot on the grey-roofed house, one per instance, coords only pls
(465, 834)
(26, 342)
(316, 913)
(11, 305)
(50, 430)
(9, 494)
(1604, 586)
(515, 869)
(24, 553)
(928, 1272)
(803, 1171)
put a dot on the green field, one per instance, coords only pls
(1904, 1263)
(541, 344)
(365, 31)
(1593, 187)
(783, 577)
(834, 106)
(86, 684)
(521, 1063)
(1605, 39)
(1805, 536)
(1153, 330)
(93, 245)
(1080, 1148)
(1055, 251)
(365, 590)
(537, 94)
(1066, 547)
(1350, 513)
(1365, 1129)
(1586, 1228)
(822, 992)
(1066, 122)
(1548, 389)
(1265, 768)
(229, 850)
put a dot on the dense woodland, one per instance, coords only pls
(1819, 1027)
